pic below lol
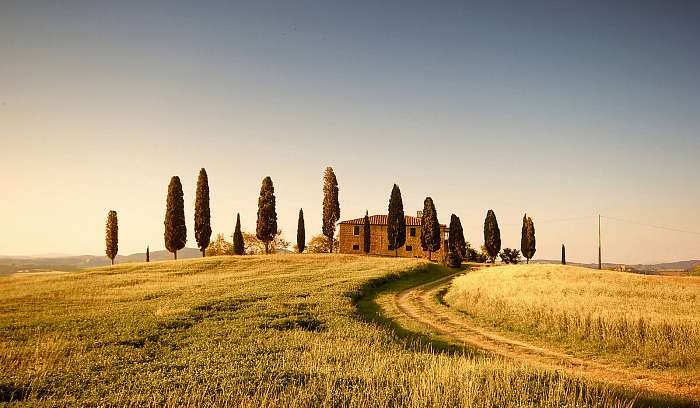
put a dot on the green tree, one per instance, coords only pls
(367, 241)
(510, 256)
(396, 228)
(148, 254)
(492, 236)
(331, 206)
(112, 236)
(301, 232)
(527, 240)
(202, 216)
(430, 238)
(238, 245)
(456, 242)
(266, 226)
(175, 228)
(563, 254)
(318, 244)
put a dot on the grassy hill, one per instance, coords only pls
(244, 331)
(649, 321)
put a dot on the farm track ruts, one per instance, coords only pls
(422, 305)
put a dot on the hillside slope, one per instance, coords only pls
(243, 331)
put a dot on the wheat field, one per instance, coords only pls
(648, 321)
(251, 331)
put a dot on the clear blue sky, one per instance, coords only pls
(560, 109)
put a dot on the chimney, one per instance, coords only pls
(419, 214)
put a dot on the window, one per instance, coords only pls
(355, 247)
(412, 232)
(356, 230)
(409, 248)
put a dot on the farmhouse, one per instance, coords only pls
(352, 237)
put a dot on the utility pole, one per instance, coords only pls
(600, 262)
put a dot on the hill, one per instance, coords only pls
(247, 331)
(74, 263)
(665, 266)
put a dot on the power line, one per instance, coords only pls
(651, 226)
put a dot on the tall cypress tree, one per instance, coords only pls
(527, 240)
(202, 216)
(563, 254)
(112, 236)
(456, 242)
(331, 206)
(238, 245)
(430, 238)
(367, 241)
(492, 236)
(148, 254)
(266, 226)
(396, 228)
(301, 232)
(175, 228)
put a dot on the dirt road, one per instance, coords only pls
(422, 304)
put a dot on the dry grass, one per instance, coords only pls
(243, 331)
(651, 321)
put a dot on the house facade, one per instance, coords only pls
(351, 238)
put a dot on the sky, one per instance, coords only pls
(561, 109)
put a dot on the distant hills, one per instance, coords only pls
(666, 266)
(74, 263)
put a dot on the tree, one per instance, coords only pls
(396, 228)
(563, 254)
(430, 239)
(254, 246)
(331, 206)
(456, 243)
(319, 244)
(148, 254)
(175, 228)
(238, 245)
(492, 236)
(367, 241)
(112, 236)
(266, 226)
(202, 216)
(220, 246)
(527, 240)
(510, 256)
(301, 232)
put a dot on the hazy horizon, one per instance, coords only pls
(563, 111)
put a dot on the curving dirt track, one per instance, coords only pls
(422, 304)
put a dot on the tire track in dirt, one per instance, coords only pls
(422, 305)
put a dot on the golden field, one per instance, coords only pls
(252, 331)
(647, 321)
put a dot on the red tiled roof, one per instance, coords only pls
(382, 220)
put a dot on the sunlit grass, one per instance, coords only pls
(652, 321)
(243, 331)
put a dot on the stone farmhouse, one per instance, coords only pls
(351, 237)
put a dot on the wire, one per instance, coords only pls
(650, 225)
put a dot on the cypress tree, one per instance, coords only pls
(563, 254)
(527, 240)
(301, 232)
(430, 238)
(148, 254)
(331, 206)
(175, 228)
(266, 226)
(238, 245)
(396, 228)
(456, 242)
(112, 236)
(367, 241)
(202, 216)
(492, 236)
